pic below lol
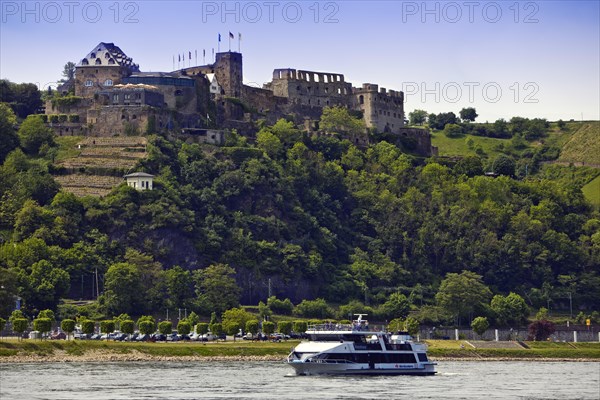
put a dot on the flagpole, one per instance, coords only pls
(229, 42)
(173, 63)
(219, 44)
(239, 42)
(196, 56)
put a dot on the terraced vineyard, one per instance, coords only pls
(100, 164)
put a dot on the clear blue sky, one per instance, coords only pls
(510, 58)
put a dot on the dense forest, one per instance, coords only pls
(294, 216)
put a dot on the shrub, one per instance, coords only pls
(231, 328)
(73, 118)
(62, 117)
(184, 327)
(165, 327)
(42, 325)
(44, 117)
(53, 118)
(216, 329)
(284, 327)
(412, 326)
(453, 130)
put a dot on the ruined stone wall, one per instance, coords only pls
(123, 120)
(383, 109)
(420, 138)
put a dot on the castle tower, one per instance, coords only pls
(228, 69)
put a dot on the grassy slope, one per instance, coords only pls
(66, 147)
(458, 146)
(584, 143)
(591, 191)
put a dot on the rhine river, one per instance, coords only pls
(273, 380)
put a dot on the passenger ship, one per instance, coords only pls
(356, 349)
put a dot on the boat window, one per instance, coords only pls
(422, 357)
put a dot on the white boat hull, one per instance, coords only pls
(324, 368)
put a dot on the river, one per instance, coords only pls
(261, 380)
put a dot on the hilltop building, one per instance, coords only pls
(113, 97)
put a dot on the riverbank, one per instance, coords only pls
(31, 351)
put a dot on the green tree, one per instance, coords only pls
(231, 329)
(68, 72)
(284, 307)
(561, 125)
(460, 294)
(453, 130)
(284, 327)
(300, 326)
(88, 326)
(237, 315)
(480, 325)
(216, 328)
(107, 327)
(9, 283)
(68, 326)
(252, 326)
(122, 289)
(33, 133)
(19, 325)
(201, 328)
(179, 287)
(470, 166)
(269, 143)
(510, 309)
(193, 319)
(504, 165)
(146, 327)
(184, 327)
(411, 325)
(417, 117)
(42, 325)
(9, 140)
(264, 312)
(127, 326)
(47, 314)
(2, 324)
(216, 288)
(165, 327)
(317, 308)
(268, 327)
(339, 120)
(397, 306)
(542, 314)
(468, 114)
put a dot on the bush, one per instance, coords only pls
(165, 327)
(88, 326)
(284, 327)
(73, 118)
(44, 117)
(184, 327)
(453, 131)
(53, 118)
(216, 329)
(62, 117)
(231, 328)
(540, 330)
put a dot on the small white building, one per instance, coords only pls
(139, 180)
(215, 88)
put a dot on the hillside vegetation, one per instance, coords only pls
(583, 145)
(302, 217)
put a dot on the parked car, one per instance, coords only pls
(58, 336)
(278, 337)
(173, 337)
(195, 337)
(207, 337)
